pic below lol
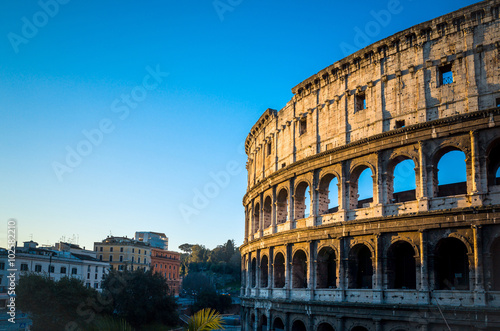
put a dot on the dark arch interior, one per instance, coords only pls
(495, 254)
(263, 323)
(256, 217)
(325, 327)
(278, 324)
(451, 265)
(264, 268)
(282, 207)
(326, 272)
(493, 162)
(267, 212)
(401, 271)
(298, 326)
(360, 267)
(279, 271)
(299, 270)
(254, 272)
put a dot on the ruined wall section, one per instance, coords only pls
(400, 80)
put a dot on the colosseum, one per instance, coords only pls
(417, 253)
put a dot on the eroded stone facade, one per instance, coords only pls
(414, 260)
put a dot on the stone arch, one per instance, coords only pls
(493, 163)
(263, 323)
(326, 268)
(302, 189)
(451, 264)
(279, 270)
(267, 211)
(299, 269)
(278, 324)
(264, 271)
(356, 172)
(401, 268)
(360, 267)
(298, 325)
(325, 206)
(253, 272)
(256, 217)
(395, 174)
(325, 327)
(282, 206)
(441, 190)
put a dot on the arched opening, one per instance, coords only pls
(252, 320)
(267, 212)
(264, 271)
(493, 164)
(495, 270)
(326, 269)
(401, 267)
(279, 271)
(359, 328)
(298, 326)
(451, 173)
(301, 201)
(278, 324)
(263, 323)
(361, 188)
(401, 187)
(256, 217)
(325, 327)
(360, 267)
(328, 195)
(282, 207)
(254, 272)
(451, 265)
(299, 270)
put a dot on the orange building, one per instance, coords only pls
(167, 263)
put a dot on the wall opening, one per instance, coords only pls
(264, 271)
(451, 265)
(361, 188)
(326, 269)
(451, 174)
(360, 100)
(360, 271)
(263, 323)
(279, 271)
(256, 217)
(269, 148)
(328, 195)
(302, 201)
(282, 207)
(495, 266)
(325, 327)
(267, 212)
(299, 270)
(302, 126)
(278, 324)
(493, 164)
(254, 272)
(401, 266)
(403, 181)
(445, 75)
(298, 326)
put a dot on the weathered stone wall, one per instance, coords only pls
(393, 261)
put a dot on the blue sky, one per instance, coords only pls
(192, 77)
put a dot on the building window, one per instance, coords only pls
(121, 258)
(400, 124)
(88, 268)
(133, 250)
(111, 249)
(111, 258)
(38, 268)
(302, 126)
(88, 275)
(156, 265)
(360, 101)
(51, 269)
(24, 267)
(96, 285)
(96, 268)
(495, 12)
(441, 29)
(63, 270)
(95, 276)
(2, 265)
(73, 271)
(445, 74)
(121, 249)
(88, 285)
(139, 251)
(269, 148)
(120, 267)
(100, 249)
(138, 260)
(100, 257)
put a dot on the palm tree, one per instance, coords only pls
(205, 320)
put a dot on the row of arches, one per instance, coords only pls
(450, 259)
(449, 174)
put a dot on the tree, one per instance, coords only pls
(186, 248)
(205, 320)
(140, 297)
(53, 305)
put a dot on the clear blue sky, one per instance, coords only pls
(73, 69)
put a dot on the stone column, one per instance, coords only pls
(479, 292)
(378, 296)
(270, 272)
(341, 279)
(288, 271)
(291, 204)
(249, 274)
(274, 212)
(257, 271)
(421, 191)
(252, 220)
(261, 215)
(423, 289)
(311, 267)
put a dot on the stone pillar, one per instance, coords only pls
(479, 292)
(252, 220)
(311, 267)
(421, 191)
(261, 215)
(274, 211)
(423, 289)
(314, 189)
(270, 272)
(288, 270)
(257, 271)
(269, 320)
(342, 264)
(249, 274)
(378, 325)
(378, 296)
(291, 202)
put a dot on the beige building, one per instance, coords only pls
(124, 253)
(422, 259)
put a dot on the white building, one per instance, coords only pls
(155, 239)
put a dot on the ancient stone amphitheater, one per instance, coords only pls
(425, 258)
